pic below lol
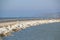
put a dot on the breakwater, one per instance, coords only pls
(6, 28)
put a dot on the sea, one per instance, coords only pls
(41, 32)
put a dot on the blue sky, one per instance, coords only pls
(28, 8)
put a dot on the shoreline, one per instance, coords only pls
(4, 22)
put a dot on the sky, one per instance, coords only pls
(28, 8)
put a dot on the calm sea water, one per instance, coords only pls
(41, 32)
